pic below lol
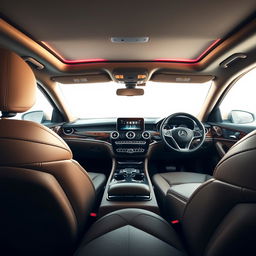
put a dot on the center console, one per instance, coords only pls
(129, 182)
(129, 185)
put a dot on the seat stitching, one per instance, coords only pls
(110, 230)
(33, 141)
(179, 183)
(42, 128)
(196, 192)
(172, 192)
(133, 225)
(166, 180)
(152, 233)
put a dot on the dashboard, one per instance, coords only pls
(96, 143)
(125, 137)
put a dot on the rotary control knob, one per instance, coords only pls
(146, 135)
(130, 135)
(114, 135)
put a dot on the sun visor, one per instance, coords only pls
(82, 79)
(176, 78)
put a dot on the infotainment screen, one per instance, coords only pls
(130, 124)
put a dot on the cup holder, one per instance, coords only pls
(119, 176)
(138, 177)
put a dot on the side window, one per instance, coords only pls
(41, 112)
(239, 105)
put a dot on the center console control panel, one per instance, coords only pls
(130, 137)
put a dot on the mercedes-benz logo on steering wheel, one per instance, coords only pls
(182, 133)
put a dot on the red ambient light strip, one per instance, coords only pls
(71, 61)
(177, 60)
(203, 54)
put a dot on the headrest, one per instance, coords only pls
(17, 83)
(238, 166)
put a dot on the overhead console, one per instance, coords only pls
(130, 137)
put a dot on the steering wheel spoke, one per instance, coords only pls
(167, 133)
(197, 134)
(188, 145)
(175, 143)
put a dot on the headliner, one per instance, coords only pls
(81, 29)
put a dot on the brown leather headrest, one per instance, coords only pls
(238, 165)
(17, 83)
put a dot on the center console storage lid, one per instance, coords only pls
(128, 190)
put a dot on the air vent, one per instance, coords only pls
(146, 135)
(217, 130)
(68, 131)
(114, 135)
(207, 130)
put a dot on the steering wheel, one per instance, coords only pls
(183, 139)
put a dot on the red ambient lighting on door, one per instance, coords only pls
(203, 54)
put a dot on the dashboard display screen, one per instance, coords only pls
(130, 124)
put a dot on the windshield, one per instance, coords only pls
(99, 100)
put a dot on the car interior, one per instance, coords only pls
(127, 128)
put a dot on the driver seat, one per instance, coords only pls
(174, 189)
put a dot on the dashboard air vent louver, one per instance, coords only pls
(68, 130)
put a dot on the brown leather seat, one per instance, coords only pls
(173, 190)
(131, 232)
(45, 196)
(98, 180)
(218, 220)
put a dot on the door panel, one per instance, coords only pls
(225, 135)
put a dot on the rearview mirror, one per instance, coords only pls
(130, 92)
(241, 117)
(35, 116)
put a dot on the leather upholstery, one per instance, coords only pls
(98, 180)
(45, 196)
(26, 136)
(238, 165)
(213, 222)
(17, 83)
(174, 189)
(31, 148)
(219, 217)
(131, 232)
